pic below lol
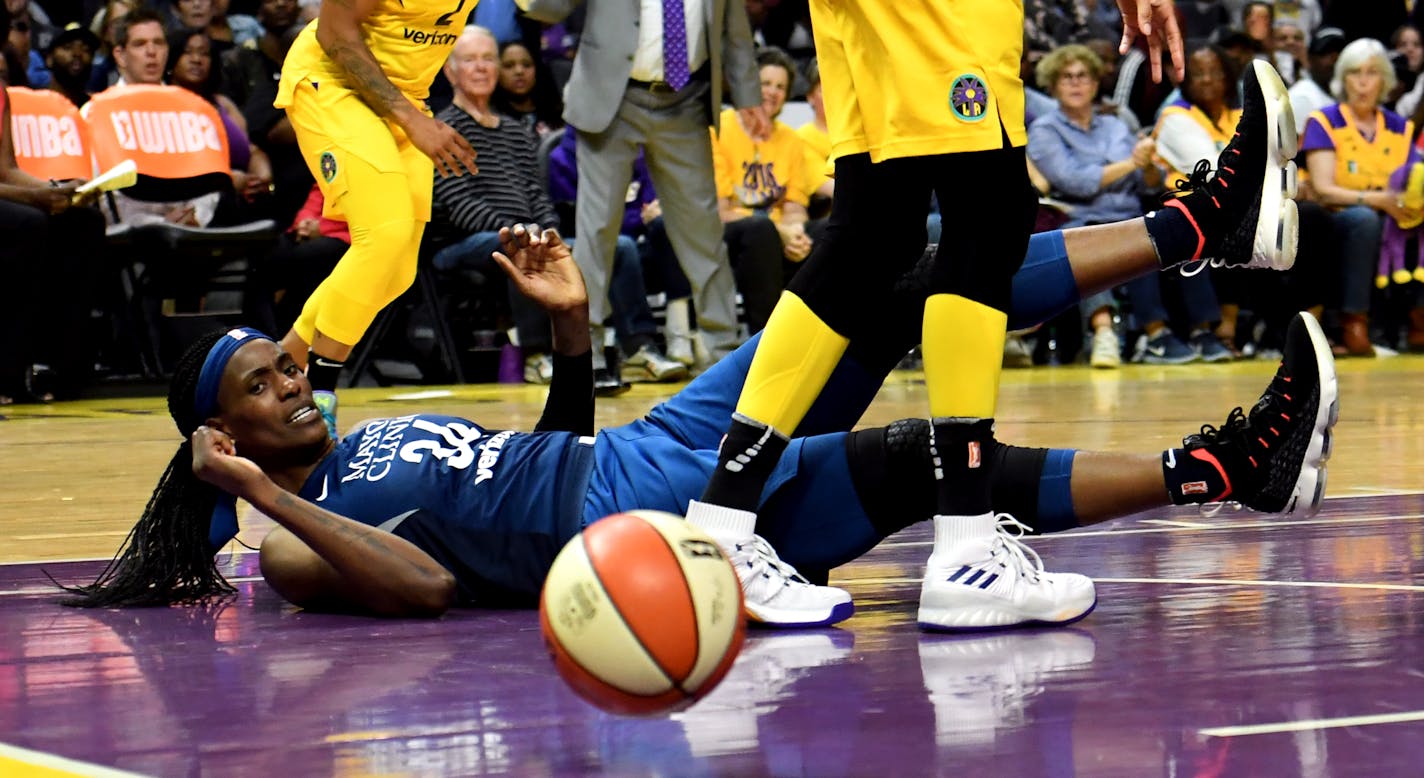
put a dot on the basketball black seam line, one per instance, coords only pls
(636, 638)
(696, 629)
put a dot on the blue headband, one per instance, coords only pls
(223, 526)
(205, 397)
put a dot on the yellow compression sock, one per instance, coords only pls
(963, 345)
(796, 355)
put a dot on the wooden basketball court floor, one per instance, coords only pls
(1223, 644)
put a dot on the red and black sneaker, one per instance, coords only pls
(1245, 215)
(1273, 459)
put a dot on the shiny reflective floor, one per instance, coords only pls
(1223, 644)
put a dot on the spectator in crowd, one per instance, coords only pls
(523, 94)
(507, 190)
(190, 65)
(53, 250)
(1135, 88)
(624, 94)
(1310, 94)
(227, 31)
(1351, 148)
(278, 285)
(642, 232)
(1408, 54)
(201, 15)
(1191, 132)
(1095, 162)
(1258, 20)
(249, 76)
(1107, 83)
(1288, 47)
(141, 56)
(70, 60)
(761, 195)
(140, 47)
(105, 25)
(19, 41)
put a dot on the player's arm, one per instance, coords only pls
(541, 266)
(318, 559)
(339, 34)
(17, 186)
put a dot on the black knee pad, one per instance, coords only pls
(892, 473)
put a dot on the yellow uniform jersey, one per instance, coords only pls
(1359, 164)
(818, 156)
(759, 176)
(1220, 134)
(909, 79)
(410, 39)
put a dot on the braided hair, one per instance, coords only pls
(166, 558)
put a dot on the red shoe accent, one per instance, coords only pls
(1288, 397)
(1211, 460)
(1263, 443)
(1253, 461)
(1284, 416)
(1201, 239)
(1275, 432)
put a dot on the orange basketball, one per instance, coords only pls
(642, 613)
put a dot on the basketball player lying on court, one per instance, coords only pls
(408, 516)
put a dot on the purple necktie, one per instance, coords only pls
(675, 45)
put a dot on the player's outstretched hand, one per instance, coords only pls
(448, 149)
(215, 460)
(1155, 20)
(542, 266)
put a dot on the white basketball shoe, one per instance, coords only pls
(774, 593)
(982, 576)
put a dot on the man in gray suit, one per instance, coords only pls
(652, 77)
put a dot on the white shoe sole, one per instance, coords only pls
(984, 612)
(971, 609)
(1278, 221)
(799, 618)
(1309, 488)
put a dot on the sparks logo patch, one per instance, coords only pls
(974, 460)
(969, 98)
(1194, 487)
(328, 166)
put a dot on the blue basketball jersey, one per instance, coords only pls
(493, 507)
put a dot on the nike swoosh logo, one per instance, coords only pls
(322, 496)
(1158, 351)
(1171, 459)
(328, 363)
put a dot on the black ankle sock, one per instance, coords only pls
(1174, 236)
(323, 373)
(1191, 480)
(962, 448)
(748, 454)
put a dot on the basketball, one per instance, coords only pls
(642, 613)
